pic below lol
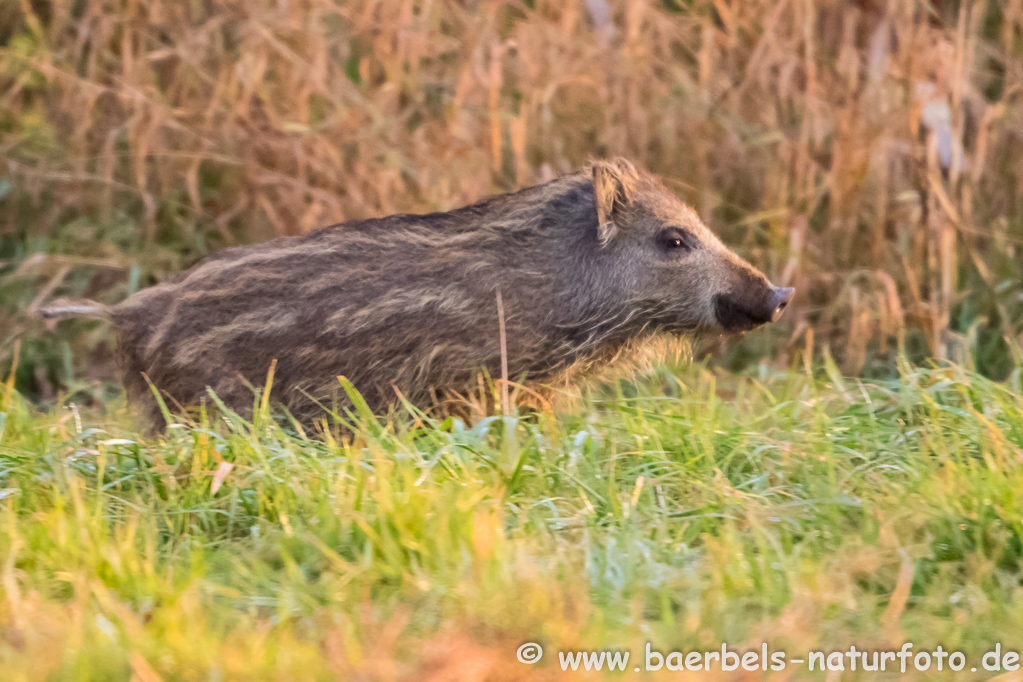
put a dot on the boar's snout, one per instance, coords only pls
(780, 301)
(740, 313)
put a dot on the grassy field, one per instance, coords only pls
(865, 153)
(792, 507)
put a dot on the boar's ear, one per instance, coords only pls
(613, 183)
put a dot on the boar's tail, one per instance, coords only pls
(63, 309)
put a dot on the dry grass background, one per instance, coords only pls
(869, 154)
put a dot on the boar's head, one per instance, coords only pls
(673, 271)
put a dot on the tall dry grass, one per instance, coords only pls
(867, 153)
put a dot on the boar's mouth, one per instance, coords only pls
(737, 316)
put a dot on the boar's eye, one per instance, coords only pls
(675, 240)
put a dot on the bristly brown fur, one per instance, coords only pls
(408, 302)
(63, 309)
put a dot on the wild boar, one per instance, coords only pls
(566, 274)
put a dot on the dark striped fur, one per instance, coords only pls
(409, 302)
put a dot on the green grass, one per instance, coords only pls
(808, 511)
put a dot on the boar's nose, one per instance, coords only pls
(780, 301)
(738, 313)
